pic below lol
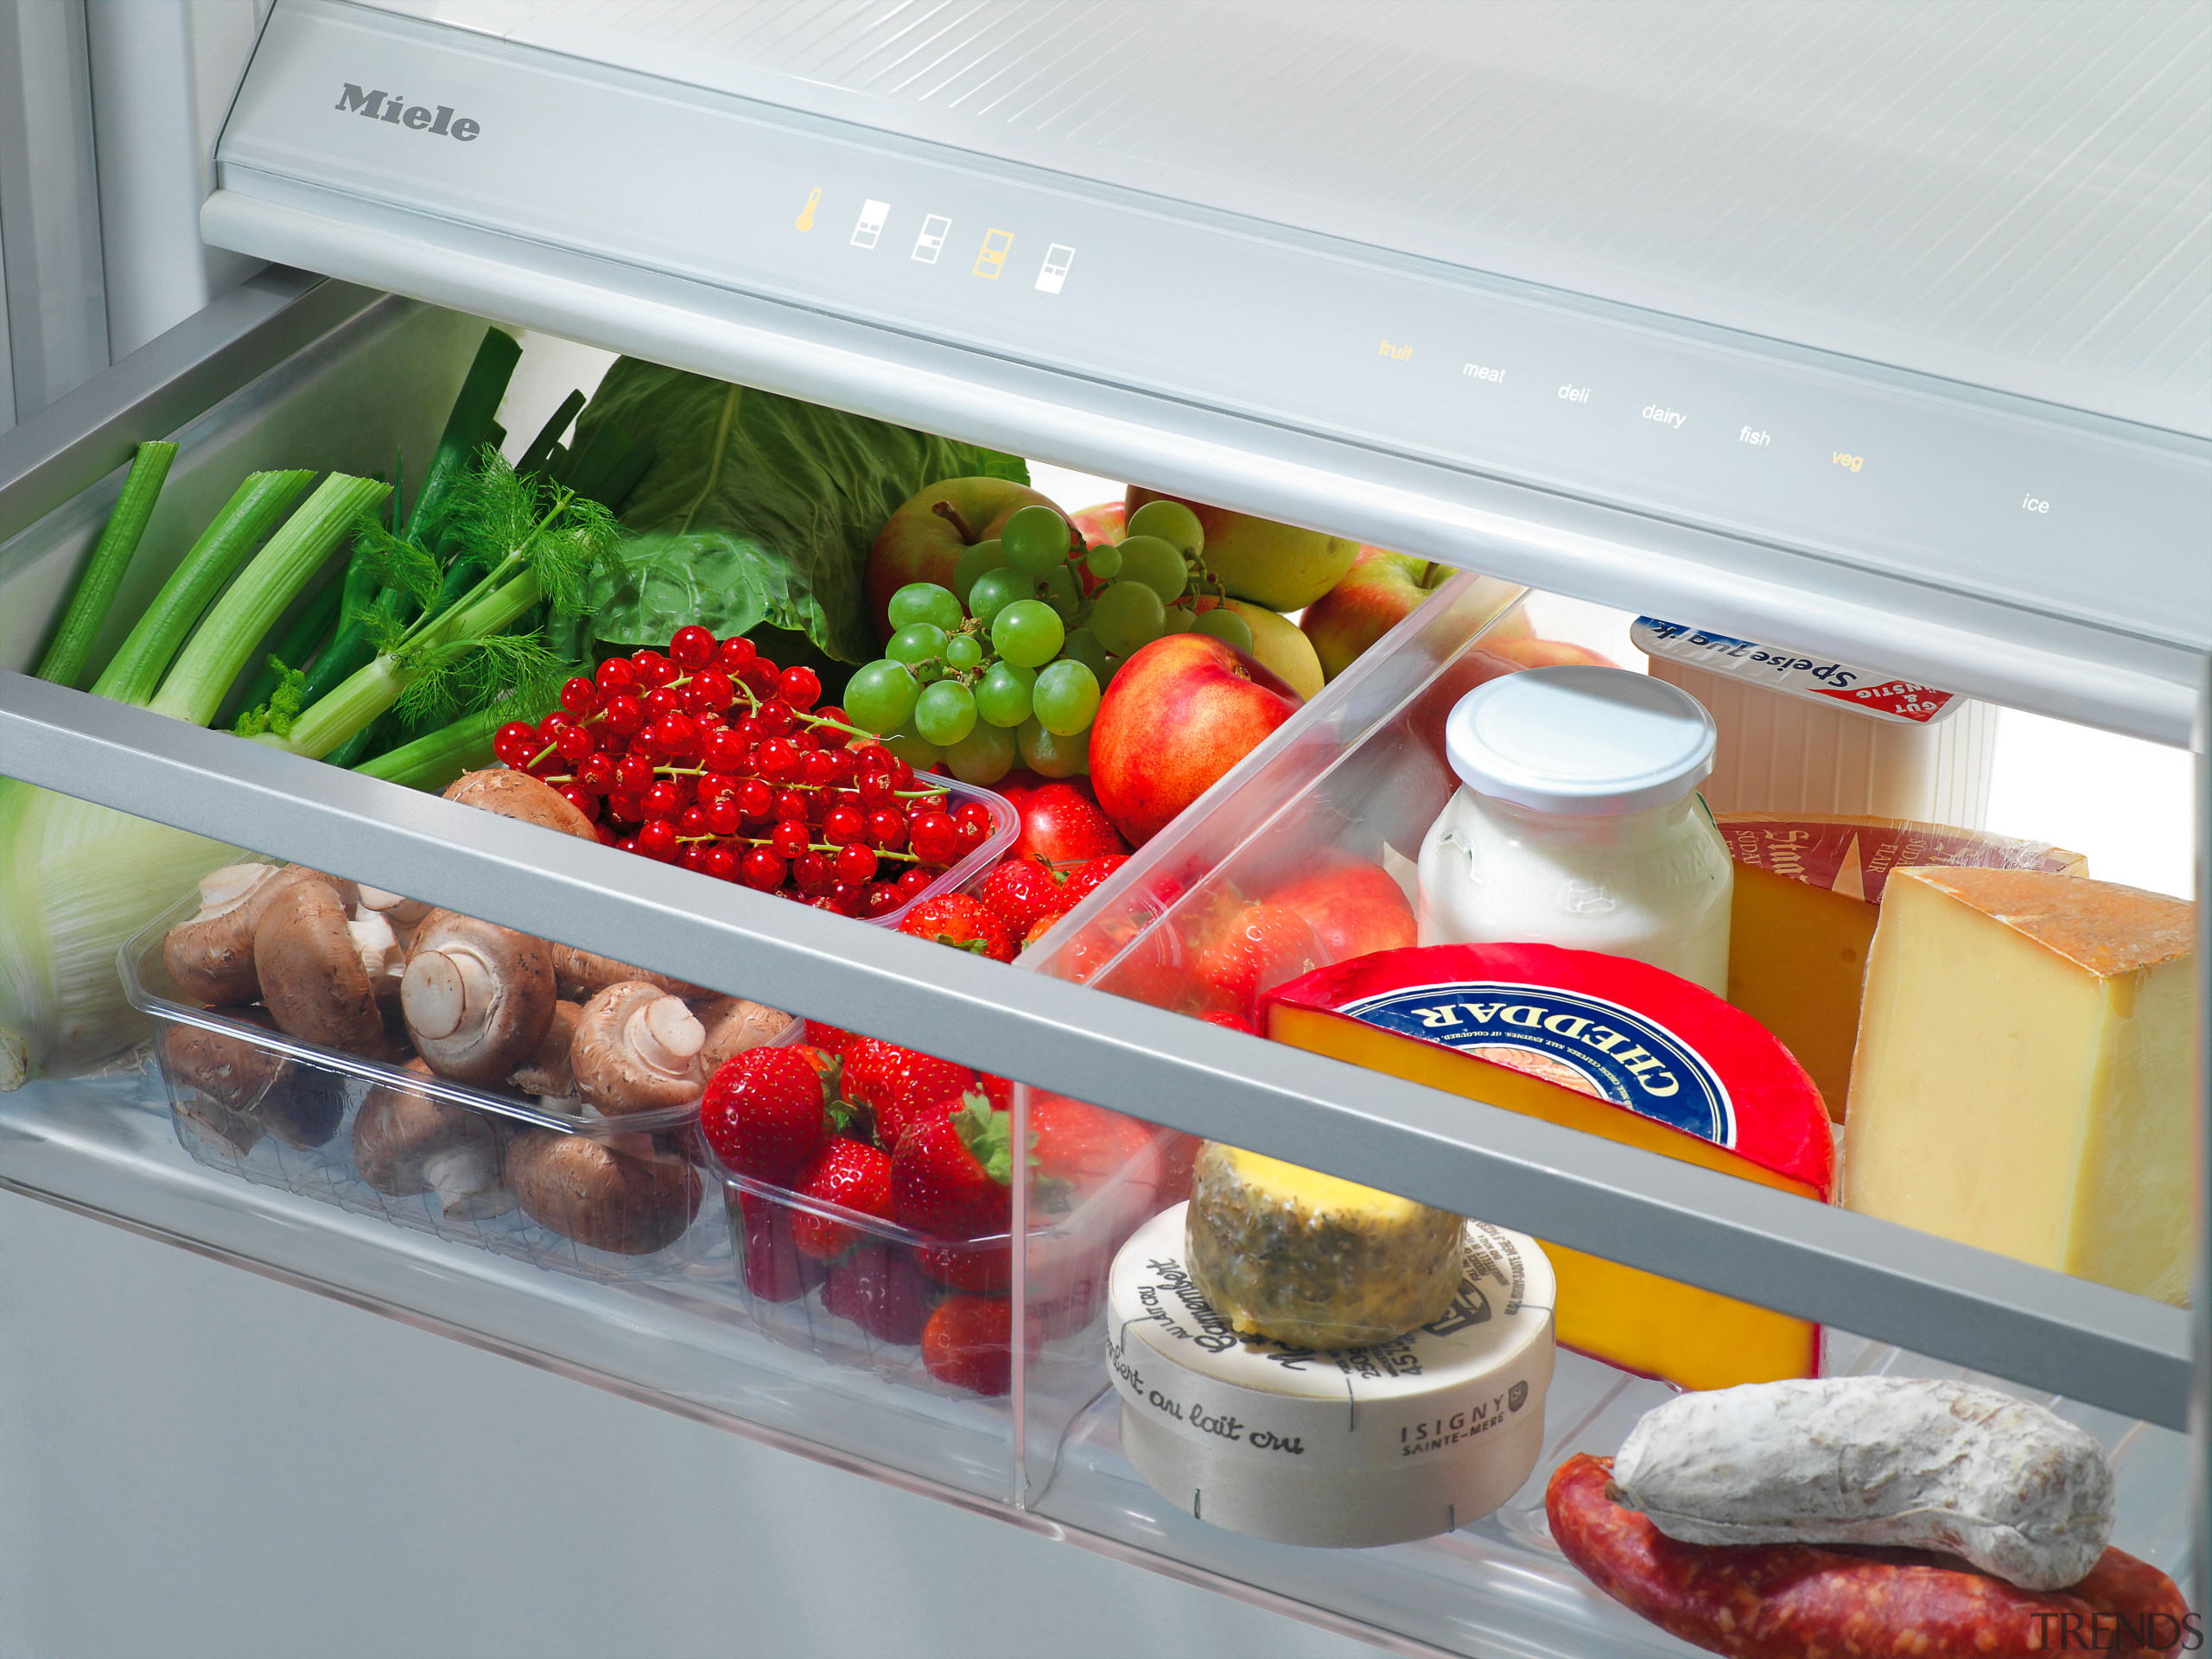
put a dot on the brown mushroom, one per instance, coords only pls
(231, 1070)
(402, 913)
(637, 1050)
(219, 1127)
(304, 1108)
(585, 974)
(383, 956)
(548, 1071)
(477, 997)
(406, 1140)
(210, 957)
(630, 1203)
(312, 981)
(734, 1025)
(519, 795)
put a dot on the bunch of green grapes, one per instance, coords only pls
(1008, 664)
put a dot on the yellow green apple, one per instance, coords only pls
(1279, 566)
(1277, 645)
(1380, 590)
(926, 538)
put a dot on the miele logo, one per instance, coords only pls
(381, 106)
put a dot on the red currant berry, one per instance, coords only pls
(793, 806)
(626, 844)
(693, 857)
(582, 799)
(723, 816)
(633, 774)
(547, 765)
(759, 677)
(657, 839)
(654, 670)
(595, 772)
(713, 689)
(804, 742)
(843, 826)
(814, 872)
(912, 884)
(849, 899)
(901, 774)
(832, 736)
(819, 769)
(755, 800)
(788, 839)
(627, 807)
(936, 836)
(606, 835)
(777, 760)
(976, 813)
(798, 687)
(970, 834)
(883, 898)
(878, 790)
(886, 828)
(580, 696)
(625, 716)
(722, 863)
(675, 735)
(748, 729)
(874, 757)
(616, 674)
(736, 655)
(856, 864)
(664, 800)
(691, 647)
(691, 823)
(516, 743)
(760, 868)
(661, 702)
(574, 743)
(774, 719)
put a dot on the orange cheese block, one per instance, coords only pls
(1614, 1048)
(1808, 891)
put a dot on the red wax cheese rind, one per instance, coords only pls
(1781, 1601)
(1671, 1053)
(1615, 1049)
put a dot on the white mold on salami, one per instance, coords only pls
(2003, 1485)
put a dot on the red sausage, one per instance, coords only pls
(1785, 1601)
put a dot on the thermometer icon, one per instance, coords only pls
(805, 220)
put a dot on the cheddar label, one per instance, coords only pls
(1570, 1038)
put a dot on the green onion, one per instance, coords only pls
(72, 643)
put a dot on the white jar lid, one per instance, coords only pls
(1581, 741)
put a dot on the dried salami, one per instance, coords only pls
(1782, 1601)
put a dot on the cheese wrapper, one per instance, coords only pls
(1614, 1048)
(1808, 894)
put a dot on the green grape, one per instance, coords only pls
(1067, 698)
(993, 591)
(912, 747)
(881, 696)
(1128, 617)
(1002, 696)
(1173, 522)
(984, 756)
(1180, 621)
(1157, 565)
(925, 601)
(963, 651)
(1063, 592)
(984, 556)
(1104, 562)
(945, 713)
(1227, 626)
(1036, 541)
(1050, 755)
(1029, 633)
(915, 642)
(1082, 647)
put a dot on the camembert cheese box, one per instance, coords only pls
(1614, 1048)
(1347, 1448)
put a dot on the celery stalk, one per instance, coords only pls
(73, 642)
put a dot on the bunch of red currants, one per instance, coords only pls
(709, 756)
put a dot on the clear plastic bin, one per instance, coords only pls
(606, 1198)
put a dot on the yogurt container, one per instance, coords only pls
(1577, 823)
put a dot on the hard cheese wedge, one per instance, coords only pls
(1808, 890)
(1617, 1049)
(2024, 1078)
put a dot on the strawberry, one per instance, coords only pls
(1063, 826)
(1076, 1145)
(950, 1176)
(828, 1039)
(763, 1113)
(1019, 891)
(773, 1270)
(963, 923)
(1040, 928)
(877, 1287)
(998, 1091)
(985, 1268)
(969, 1344)
(852, 1174)
(1086, 880)
(901, 1085)
(1232, 1022)
(1255, 949)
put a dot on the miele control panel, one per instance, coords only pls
(1878, 468)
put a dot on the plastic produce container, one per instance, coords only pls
(291, 1119)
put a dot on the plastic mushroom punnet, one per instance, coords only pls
(312, 981)
(210, 957)
(406, 1140)
(637, 1050)
(477, 997)
(232, 1070)
(631, 1203)
(734, 1025)
(548, 1073)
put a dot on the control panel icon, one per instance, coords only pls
(805, 219)
(872, 214)
(990, 258)
(1057, 258)
(930, 242)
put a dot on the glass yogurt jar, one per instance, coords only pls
(1577, 823)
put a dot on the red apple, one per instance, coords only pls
(1182, 711)
(1279, 566)
(1104, 523)
(1062, 826)
(1380, 590)
(1353, 907)
(920, 544)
